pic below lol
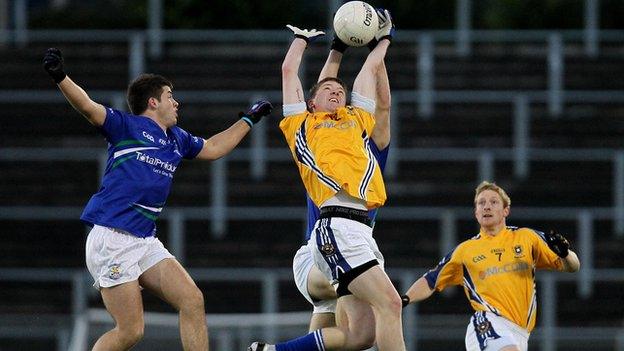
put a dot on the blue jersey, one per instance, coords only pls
(313, 211)
(142, 159)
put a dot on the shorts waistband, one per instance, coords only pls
(345, 212)
(511, 325)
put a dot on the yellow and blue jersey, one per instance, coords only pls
(498, 272)
(333, 152)
(314, 212)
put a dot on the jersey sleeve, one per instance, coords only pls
(294, 109)
(448, 272)
(190, 145)
(543, 256)
(361, 101)
(115, 125)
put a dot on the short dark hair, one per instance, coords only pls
(145, 86)
(316, 86)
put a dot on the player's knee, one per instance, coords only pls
(392, 303)
(358, 337)
(396, 305)
(365, 339)
(194, 301)
(131, 335)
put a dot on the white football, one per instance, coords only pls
(356, 23)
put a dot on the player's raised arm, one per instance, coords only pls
(94, 112)
(222, 143)
(292, 91)
(332, 64)
(365, 82)
(381, 132)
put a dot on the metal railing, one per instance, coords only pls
(416, 328)
(425, 96)
(464, 37)
(519, 102)
(259, 155)
(423, 41)
(448, 217)
(463, 33)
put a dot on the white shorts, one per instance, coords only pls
(339, 245)
(489, 332)
(115, 257)
(302, 264)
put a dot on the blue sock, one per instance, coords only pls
(310, 342)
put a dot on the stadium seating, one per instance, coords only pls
(215, 66)
(269, 243)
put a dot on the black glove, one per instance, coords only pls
(405, 300)
(255, 113)
(53, 64)
(338, 45)
(558, 243)
(372, 44)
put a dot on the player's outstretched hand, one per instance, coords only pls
(256, 111)
(386, 27)
(309, 35)
(558, 243)
(53, 64)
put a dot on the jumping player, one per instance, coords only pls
(123, 253)
(330, 143)
(308, 278)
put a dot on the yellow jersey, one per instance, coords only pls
(332, 152)
(498, 272)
